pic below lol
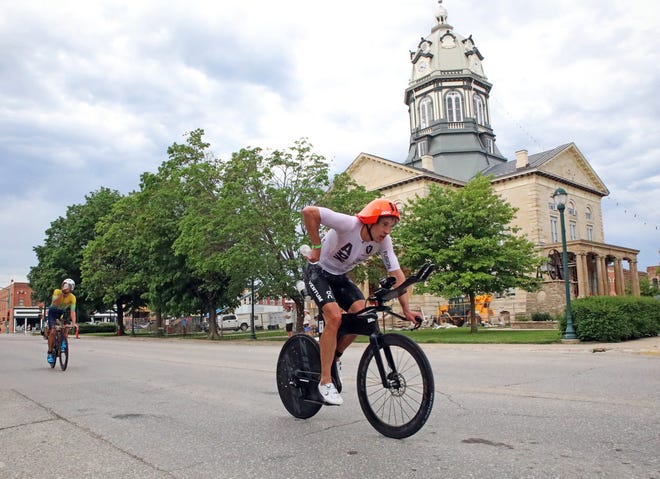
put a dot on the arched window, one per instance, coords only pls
(479, 111)
(587, 214)
(425, 112)
(454, 105)
(570, 208)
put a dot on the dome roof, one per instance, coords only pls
(445, 52)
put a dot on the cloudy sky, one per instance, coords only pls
(93, 93)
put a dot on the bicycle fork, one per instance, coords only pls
(391, 380)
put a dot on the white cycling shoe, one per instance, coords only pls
(330, 394)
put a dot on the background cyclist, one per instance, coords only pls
(350, 241)
(62, 300)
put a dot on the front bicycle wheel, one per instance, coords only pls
(64, 353)
(402, 408)
(298, 373)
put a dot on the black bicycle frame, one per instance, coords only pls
(365, 323)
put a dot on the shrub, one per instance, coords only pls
(541, 317)
(614, 318)
(86, 328)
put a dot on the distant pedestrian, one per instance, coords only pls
(288, 319)
(307, 324)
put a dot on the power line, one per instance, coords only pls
(515, 122)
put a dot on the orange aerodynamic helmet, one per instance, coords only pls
(377, 209)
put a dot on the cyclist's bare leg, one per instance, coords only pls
(346, 340)
(51, 338)
(328, 342)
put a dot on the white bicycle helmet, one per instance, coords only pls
(71, 283)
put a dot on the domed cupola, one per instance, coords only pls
(447, 100)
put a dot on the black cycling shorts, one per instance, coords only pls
(326, 288)
(54, 314)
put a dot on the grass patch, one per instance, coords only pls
(446, 336)
(485, 336)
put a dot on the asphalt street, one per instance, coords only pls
(151, 408)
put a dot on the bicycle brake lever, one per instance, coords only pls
(418, 322)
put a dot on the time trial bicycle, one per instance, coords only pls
(395, 383)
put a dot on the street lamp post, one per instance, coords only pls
(560, 196)
(253, 335)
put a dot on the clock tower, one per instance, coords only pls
(447, 98)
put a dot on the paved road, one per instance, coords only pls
(136, 408)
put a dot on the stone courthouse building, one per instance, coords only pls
(452, 140)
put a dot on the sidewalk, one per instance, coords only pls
(644, 346)
(650, 346)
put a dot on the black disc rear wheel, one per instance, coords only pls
(402, 408)
(64, 353)
(298, 373)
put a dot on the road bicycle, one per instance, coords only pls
(60, 346)
(394, 379)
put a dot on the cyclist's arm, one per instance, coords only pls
(404, 299)
(312, 219)
(72, 309)
(57, 298)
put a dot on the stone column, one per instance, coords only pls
(618, 278)
(582, 279)
(606, 278)
(634, 278)
(600, 284)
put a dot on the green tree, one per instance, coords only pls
(468, 234)
(647, 288)
(61, 255)
(199, 186)
(134, 258)
(257, 217)
(172, 285)
(111, 268)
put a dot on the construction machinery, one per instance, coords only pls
(457, 310)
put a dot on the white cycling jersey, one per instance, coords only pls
(343, 247)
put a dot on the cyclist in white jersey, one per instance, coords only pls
(350, 241)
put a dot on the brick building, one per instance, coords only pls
(18, 313)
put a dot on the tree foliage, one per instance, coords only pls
(647, 288)
(112, 263)
(468, 234)
(257, 217)
(197, 233)
(61, 255)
